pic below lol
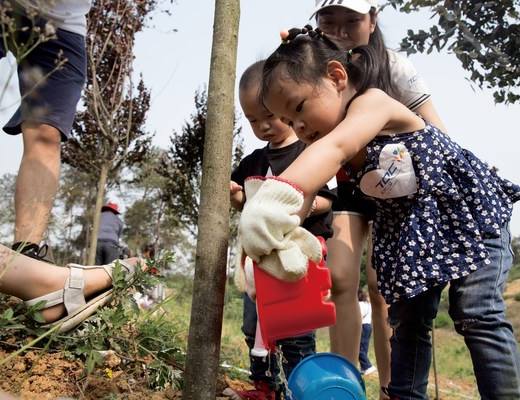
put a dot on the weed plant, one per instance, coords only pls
(146, 342)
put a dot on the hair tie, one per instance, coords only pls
(288, 35)
(291, 34)
(350, 54)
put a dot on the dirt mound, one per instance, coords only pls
(42, 376)
(46, 376)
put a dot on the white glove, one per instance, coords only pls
(244, 277)
(239, 277)
(250, 278)
(270, 232)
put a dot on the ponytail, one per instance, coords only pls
(377, 41)
(305, 54)
(366, 71)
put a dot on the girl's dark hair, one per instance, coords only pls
(252, 75)
(377, 41)
(306, 53)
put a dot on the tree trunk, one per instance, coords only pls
(209, 286)
(102, 181)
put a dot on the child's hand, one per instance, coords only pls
(236, 195)
(234, 188)
(270, 231)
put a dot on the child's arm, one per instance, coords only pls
(236, 195)
(368, 115)
(320, 205)
(269, 215)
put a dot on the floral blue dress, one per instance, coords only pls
(433, 214)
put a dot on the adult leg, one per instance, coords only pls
(27, 278)
(477, 307)
(37, 181)
(412, 321)
(100, 253)
(380, 326)
(366, 332)
(112, 252)
(45, 115)
(344, 259)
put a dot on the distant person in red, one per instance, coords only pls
(110, 229)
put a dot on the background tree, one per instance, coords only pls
(109, 134)
(483, 35)
(213, 225)
(68, 231)
(148, 219)
(181, 165)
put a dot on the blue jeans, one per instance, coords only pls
(294, 350)
(366, 332)
(478, 311)
(106, 252)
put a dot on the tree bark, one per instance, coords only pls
(102, 181)
(213, 224)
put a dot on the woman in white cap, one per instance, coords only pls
(351, 23)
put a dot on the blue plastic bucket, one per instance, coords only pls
(326, 376)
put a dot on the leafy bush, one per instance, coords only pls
(141, 341)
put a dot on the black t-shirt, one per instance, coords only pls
(267, 162)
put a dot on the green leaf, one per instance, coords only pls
(38, 317)
(7, 314)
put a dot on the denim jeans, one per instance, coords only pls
(478, 311)
(106, 252)
(366, 332)
(293, 349)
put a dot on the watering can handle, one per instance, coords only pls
(259, 349)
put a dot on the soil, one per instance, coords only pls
(46, 376)
(43, 376)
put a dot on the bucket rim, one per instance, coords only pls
(326, 354)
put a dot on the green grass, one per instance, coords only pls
(514, 273)
(453, 361)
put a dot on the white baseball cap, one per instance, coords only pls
(360, 6)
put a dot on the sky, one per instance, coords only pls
(173, 54)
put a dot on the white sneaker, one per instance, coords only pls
(369, 371)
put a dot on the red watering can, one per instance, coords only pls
(287, 309)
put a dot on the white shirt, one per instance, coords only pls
(69, 15)
(366, 312)
(412, 89)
